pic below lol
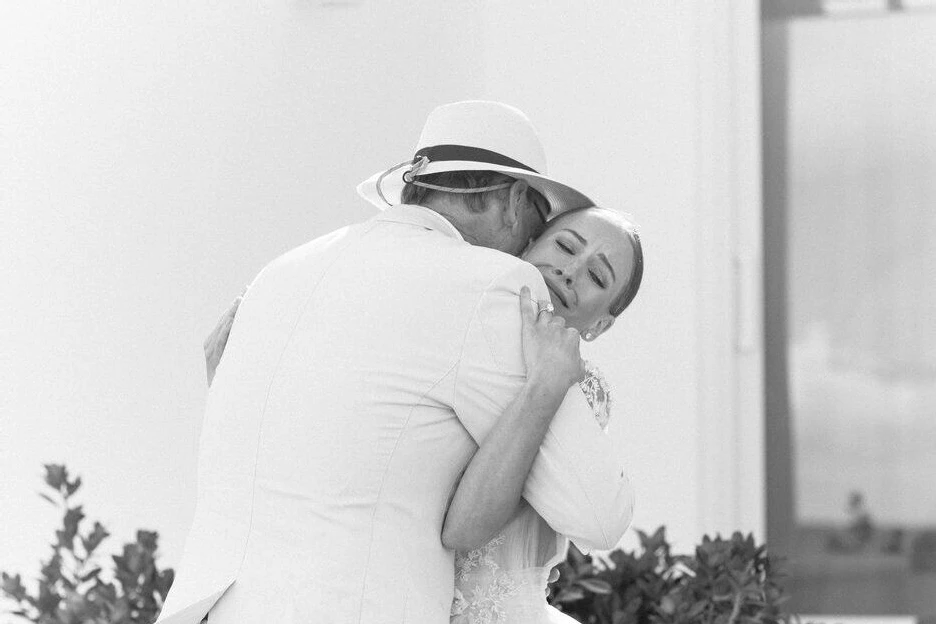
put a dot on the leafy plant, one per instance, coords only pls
(727, 581)
(70, 587)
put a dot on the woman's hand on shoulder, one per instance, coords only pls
(550, 349)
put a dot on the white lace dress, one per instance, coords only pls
(504, 582)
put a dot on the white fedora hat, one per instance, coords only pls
(475, 136)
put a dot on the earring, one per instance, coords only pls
(588, 335)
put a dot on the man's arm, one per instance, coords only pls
(575, 482)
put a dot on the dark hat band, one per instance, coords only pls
(467, 153)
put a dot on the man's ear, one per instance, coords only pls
(516, 204)
(597, 328)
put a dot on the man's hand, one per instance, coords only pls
(550, 349)
(217, 339)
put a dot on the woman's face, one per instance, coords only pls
(586, 259)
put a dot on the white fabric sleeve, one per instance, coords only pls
(575, 484)
(596, 475)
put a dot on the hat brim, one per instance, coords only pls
(561, 197)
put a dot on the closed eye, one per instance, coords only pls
(597, 279)
(564, 247)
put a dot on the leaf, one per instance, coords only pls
(134, 558)
(644, 538)
(84, 578)
(94, 539)
(570, 594)
(12, 586)
(71, 488)
(48, 600)
(148, 540)
(596, 586)
(73, 518)
(164, 582)
(697, 609)
(52, 570)
(49, 498)
(103, 592)
(575, 556)
(56, 475)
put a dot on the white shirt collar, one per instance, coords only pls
(420, 215)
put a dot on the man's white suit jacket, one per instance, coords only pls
(361, 371)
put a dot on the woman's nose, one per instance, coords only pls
(563, 275)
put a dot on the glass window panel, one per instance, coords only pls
(859, 189)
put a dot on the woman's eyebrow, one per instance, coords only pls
(580, 238)
(607, 262)
(601, 256)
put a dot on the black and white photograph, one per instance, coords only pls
(413, 312)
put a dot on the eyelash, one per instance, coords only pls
(568, 250)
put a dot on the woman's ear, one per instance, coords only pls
(597, 328)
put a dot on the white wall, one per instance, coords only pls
(153, 159)
(654, 107)
(612, 93)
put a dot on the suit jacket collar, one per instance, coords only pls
(422, 216)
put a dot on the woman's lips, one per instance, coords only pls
(558, 294)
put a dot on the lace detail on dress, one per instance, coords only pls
(598, 393)
(484, 603)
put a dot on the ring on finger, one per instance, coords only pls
(546, 306)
